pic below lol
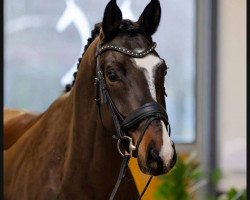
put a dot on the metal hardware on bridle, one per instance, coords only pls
(149, 112)
(131, 146)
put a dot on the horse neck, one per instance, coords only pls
(92, 148)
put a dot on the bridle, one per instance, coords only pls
(149, 112)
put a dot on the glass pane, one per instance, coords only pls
(43, 40)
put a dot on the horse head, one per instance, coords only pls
(131, 86)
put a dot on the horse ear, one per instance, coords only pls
(150, 17)
(112, 19)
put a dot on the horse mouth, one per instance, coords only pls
(155, 168)
(153, 171)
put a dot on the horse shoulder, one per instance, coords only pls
(16, 122)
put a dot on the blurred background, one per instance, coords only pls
(204, 45)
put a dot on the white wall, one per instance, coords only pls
(232, 92)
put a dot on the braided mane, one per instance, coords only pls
(94, 33)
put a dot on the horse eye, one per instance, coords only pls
(112, 76)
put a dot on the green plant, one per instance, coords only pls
(187, 177)
(234, 194)
(182, 181)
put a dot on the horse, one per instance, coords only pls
(115, 105)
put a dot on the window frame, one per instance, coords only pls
(205, 143)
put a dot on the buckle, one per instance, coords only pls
(131, 146)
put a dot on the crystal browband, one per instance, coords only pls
(126, 51)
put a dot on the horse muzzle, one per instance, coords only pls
(156, 154)
(156, 165)
(154, 148)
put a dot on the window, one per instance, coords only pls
(43, 40)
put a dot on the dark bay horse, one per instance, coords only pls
(68, 151)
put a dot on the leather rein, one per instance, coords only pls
(149, 112)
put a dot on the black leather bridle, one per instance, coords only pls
(149, 112)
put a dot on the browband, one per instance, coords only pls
(126, 51)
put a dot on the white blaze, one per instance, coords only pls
(149, 64)
(167, 151)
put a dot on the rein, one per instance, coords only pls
(149, 112)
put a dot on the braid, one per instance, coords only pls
(94, 33)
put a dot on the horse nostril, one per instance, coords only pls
(153, 159)
(154, 153)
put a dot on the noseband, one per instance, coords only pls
(149, 112)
